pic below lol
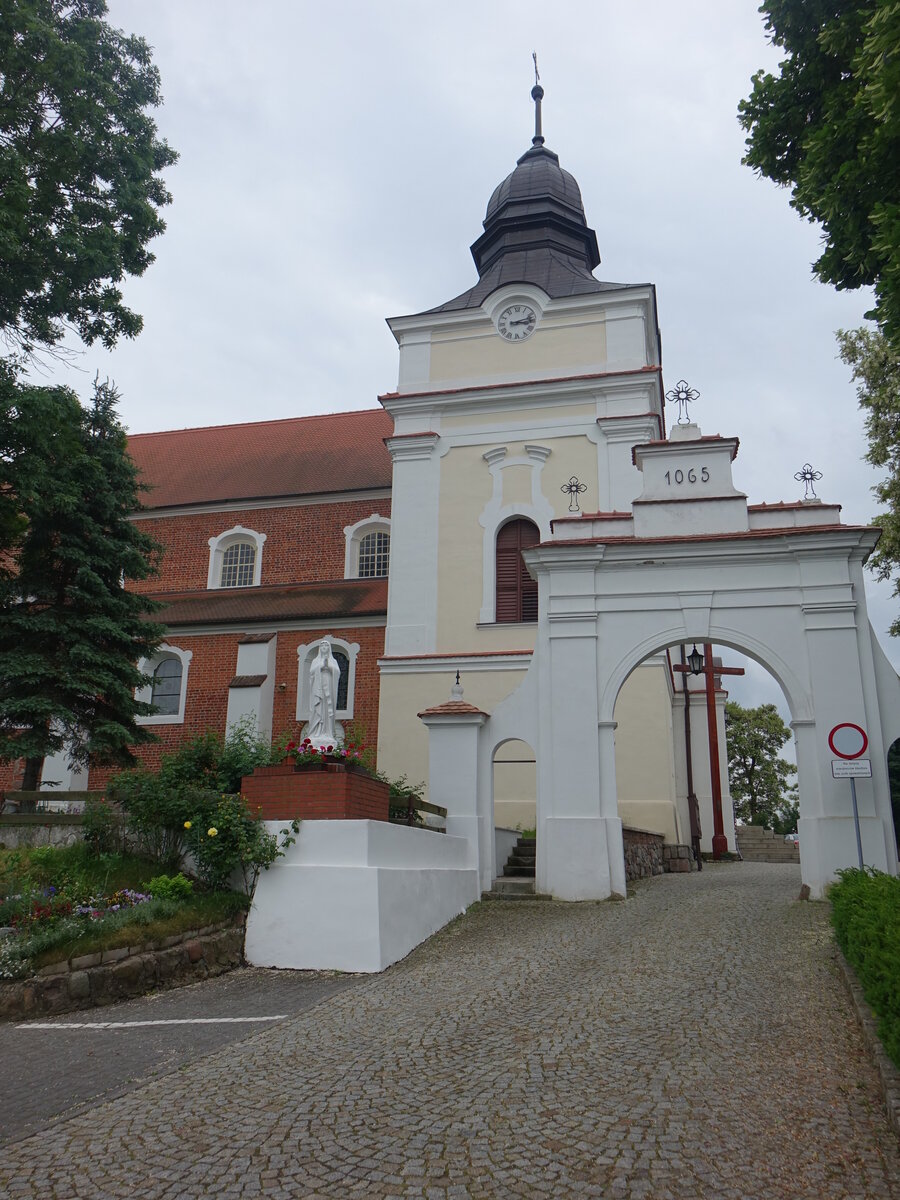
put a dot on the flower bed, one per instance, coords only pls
(56, 902)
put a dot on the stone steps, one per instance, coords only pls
(521, 862)
(514, 889)
(517, 881)
(763, 845)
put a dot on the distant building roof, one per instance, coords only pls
(300, 456)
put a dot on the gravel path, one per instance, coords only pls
(693, 1042)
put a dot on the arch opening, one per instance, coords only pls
(514, 812)
(701, 756)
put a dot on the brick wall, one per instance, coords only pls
(334, 794)
(304, 543)
(213, 666)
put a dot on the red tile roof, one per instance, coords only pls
(453, 708)
(338, 452)
(297, 602)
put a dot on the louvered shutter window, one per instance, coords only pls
(516, 590)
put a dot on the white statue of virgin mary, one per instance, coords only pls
(324, 677)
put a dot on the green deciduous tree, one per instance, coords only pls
(760, 780)
(71, 634)
(80, 198)
(876, 371)
(828, 127)
(80, 163)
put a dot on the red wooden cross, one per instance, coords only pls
(719, 841)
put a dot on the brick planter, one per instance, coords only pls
(331, 792)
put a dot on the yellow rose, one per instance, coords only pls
(212, 831)
(187, 824)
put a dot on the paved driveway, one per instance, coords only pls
(693, 1042)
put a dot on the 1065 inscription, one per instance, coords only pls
(690, 476)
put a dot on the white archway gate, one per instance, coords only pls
(692, 562)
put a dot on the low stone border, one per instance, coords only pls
(647, 854)
(110, 975)
(888, 1073)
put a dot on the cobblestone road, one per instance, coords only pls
(694, 1042)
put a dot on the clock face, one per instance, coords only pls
(516, 322)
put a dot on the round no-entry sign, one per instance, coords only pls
(848, 740)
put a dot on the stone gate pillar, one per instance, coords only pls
(579, 836)
(453, 732)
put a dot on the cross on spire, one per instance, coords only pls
(537, 95)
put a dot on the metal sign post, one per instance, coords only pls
(849, 742)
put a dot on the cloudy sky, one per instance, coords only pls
(336, 160)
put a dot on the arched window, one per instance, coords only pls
(238, 563)
(235, 558)
(165, 690)
(517, 592)
(367, 549)
(374, 555)
(343, 661)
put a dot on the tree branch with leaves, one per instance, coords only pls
(761, 782)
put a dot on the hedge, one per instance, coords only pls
(865, 913)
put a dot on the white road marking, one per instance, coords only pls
(137, 1024)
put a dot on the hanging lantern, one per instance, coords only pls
(695, 661)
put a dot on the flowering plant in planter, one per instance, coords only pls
(305, 753)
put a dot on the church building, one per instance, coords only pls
(398, 532)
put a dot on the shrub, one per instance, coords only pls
(229, 840)
(188, 783)
(99, 827)
(171, 887)
(865, 913)
(401, 793)
(243, 751)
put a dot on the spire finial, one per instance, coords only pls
(537, 95)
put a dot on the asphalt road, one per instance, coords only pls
(56, 1067)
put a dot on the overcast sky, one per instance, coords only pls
(335, 163)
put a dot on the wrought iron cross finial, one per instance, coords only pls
(682, 394)
(573, 488)
(537, 95)
(457, 678)
(808, 477)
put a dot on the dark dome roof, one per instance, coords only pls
(537, 207)
(537, 179)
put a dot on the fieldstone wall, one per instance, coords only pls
(111, 975)
(643, 853)
(647, 854)
(678, 858)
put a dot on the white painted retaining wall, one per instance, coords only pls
(504, 841)
(356, 895)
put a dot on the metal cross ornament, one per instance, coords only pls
(808, 477)
(574, 489)
(682, 394)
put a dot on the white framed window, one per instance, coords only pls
(374, 555)
(235, 558)
(345, 653)
(167, 689)
(367, 552)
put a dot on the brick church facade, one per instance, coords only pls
(274, 534)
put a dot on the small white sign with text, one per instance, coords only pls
(854, 768)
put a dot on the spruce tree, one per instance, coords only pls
(71, 632)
